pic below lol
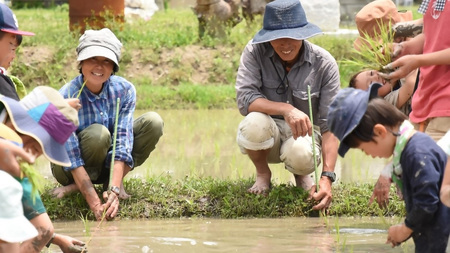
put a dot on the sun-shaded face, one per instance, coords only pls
(6, 62)
(383, 144)
(7, 46)
(364, 79)
(287, 49)
(96, 71)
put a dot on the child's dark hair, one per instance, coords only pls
(352, 82)
(19, 39)
(379, 111)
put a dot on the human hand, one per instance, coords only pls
(9, 152)
(299, 123)
(74, 103)
(98, 210)
(400, 68)
(68, 244)
(323, 195)
(398, 234)
(111, 204)
(381, 192)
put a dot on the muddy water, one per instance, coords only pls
(247, 235)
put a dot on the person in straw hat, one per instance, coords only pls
(277, 67)
(40, 123)
(90, 146)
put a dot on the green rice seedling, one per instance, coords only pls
(36, 179)
(375, 53)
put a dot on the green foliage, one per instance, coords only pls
(34, 177)
(155, 56)
(374, 52)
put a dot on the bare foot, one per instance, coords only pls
(262, 184)
(123, 194)
(305, 182)
(60, 192)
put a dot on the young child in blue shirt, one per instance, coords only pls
(360, 119)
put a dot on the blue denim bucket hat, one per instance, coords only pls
(285, 19)
(347, 110)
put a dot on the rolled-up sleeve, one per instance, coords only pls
(248, 80)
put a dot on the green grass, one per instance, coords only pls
(164, 197)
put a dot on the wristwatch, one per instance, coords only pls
(115, 189)
(330, 175)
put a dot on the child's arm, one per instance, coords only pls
(407, 89)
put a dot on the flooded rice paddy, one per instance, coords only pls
(245, 235)
(201, 143)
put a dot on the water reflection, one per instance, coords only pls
(246, 235)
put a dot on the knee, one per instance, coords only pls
(95, 136)
(298, 157)
(256, 131)
(153, 122)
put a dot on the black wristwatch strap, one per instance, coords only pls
(330, 175)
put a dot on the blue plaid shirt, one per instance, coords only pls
(101, 109)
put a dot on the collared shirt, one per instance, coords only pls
(101, 109)
(438, 6)
(258, 77)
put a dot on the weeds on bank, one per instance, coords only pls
(49, 58)
(163, 197)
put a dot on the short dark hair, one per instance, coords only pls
(352, 81)
(379, 111)
(19, 39)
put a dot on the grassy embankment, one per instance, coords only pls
(173, 69)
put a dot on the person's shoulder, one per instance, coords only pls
(421, 143)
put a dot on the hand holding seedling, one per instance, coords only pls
(9, 152)
(400, 68)
(323, 195)
(111, 204)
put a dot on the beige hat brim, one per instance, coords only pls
(93, 51)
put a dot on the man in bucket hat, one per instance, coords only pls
(44, 120)
(90, 147)
(277, 67)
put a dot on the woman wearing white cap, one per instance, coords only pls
(90, 147)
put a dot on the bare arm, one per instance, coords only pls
(408, 63)
(407, 89)
(329, 154)
(86, 187)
